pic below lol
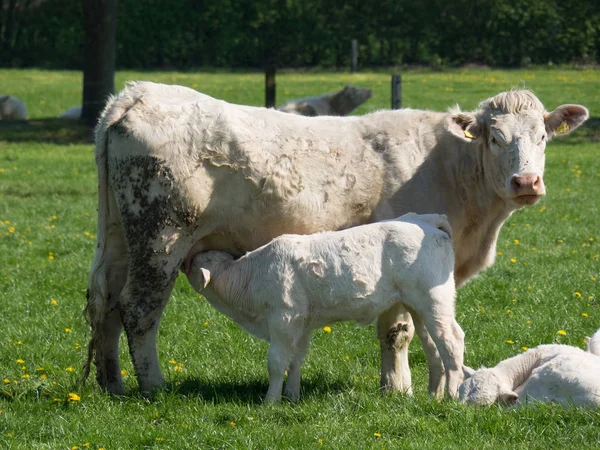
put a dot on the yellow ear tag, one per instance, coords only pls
(562, 128)
(469, 135)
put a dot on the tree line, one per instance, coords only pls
(299, 33)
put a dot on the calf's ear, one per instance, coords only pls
(468, 372)
(508, 398)
(565, 119)
(205, 277)
(464, 126)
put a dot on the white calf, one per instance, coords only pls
(296, 283)
(557, 373)
(73, 113)
(11, 108)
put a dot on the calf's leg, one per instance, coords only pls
(437, 380)
(292, 384)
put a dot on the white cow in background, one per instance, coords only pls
(73, 113)
(180, 173)
(339, 103)
(556, 373)
(11, 108)
(283, 290)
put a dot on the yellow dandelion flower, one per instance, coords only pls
(584, 314)
(513, 260)
(533, 249)
(172, 361)
(7, 222)
(25, 376)
(87, 444)
(160, 438)
(124, 372)
(19, 342)
(77, 346)
(516, 241)
(377, 435)
(578, 294)
(70, 369)
(542, 209)
(499, 253)
(75, 447)
(320, 442)
(54, 302)
(43, 376)
(560, 241)
(73, 397)
(40, 369)
(6, 381)
(327, 329)
(10, 435)
(50, 257)
(508, 311)
(593, 278)
(509, 341)
(205, 324)
(232, 423)
(20, 361)
(524, 348)
(29, 243)
(514, 300)
(527, 225)
(67, 330)
(561, 332)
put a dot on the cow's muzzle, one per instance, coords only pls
(527, 189)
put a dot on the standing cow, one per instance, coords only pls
(180, 172)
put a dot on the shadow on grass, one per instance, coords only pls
(54, 131)
(252, 391)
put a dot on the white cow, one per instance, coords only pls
(180, 172)
(339, 103)
(11, 108)
(73, 113)
(295, 284)
(557, 373)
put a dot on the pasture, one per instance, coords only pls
(543, 288)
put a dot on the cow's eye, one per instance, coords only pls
(494, 140)
(542, 140)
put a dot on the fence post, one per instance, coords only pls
(354, 64)
(396, 91)
(270, 87)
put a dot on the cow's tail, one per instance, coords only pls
(97, 293)
(594, 344)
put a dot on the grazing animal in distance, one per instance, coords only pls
(180, 172)
(73, 113)
(12, 108)
(339, 103)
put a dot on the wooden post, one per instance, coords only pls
(354, 66)
(270, 87)
(396, 91)
(100, 52)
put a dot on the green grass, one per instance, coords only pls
(216, 372)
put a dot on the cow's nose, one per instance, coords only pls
(527, 184)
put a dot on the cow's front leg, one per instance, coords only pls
(395, 330)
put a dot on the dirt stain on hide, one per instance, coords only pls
(143, 187)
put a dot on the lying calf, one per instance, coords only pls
(557, 373)
(282, 291)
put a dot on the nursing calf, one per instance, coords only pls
(294, 284)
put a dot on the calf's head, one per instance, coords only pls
(485, 387)
(511, 130)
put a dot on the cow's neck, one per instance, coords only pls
(476, 212)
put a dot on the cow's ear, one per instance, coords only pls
(205, 277)
(565, 119)
(468, 372)
(508, 398)
(464, 126)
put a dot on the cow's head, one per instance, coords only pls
(485, 387)
(513, 128)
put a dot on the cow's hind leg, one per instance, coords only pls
(395, 330)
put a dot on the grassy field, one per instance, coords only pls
(543, 289)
